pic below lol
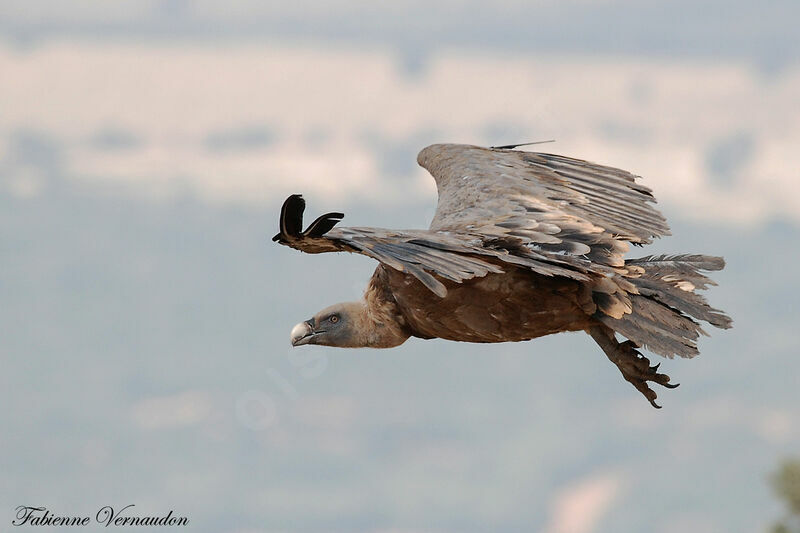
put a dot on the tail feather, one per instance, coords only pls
(665, 313)
(688, 302)
(683, 266)
(657, 329)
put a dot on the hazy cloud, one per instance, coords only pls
(579, 507)
(242, 135)
(174, 411)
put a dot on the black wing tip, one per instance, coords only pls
(512, 146)
(293, 204)
(323, 224)
(291, 221)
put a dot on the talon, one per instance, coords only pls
(634, 366)
(654, 404)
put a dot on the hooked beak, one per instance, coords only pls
(303, 333)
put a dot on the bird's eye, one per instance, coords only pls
(334, 319)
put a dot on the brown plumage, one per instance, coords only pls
(522, 245)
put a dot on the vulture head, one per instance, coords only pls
(333, 326)
(350, 325)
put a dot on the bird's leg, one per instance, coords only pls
(634, 366)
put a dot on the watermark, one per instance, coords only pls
(258, 410)
(27, 515)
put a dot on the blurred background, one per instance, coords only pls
(146, 147)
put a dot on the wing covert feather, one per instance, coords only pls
(551, 203)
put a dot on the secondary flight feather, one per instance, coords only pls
(522, 245)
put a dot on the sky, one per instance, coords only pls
(146, 147)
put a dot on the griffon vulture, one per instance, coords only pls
(522, 245)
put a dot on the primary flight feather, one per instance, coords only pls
(522, 245)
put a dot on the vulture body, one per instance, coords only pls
(522, 245)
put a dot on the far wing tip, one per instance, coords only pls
(512, 146)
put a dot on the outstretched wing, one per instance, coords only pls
(554, 205)
(421, 253)
(555, 215)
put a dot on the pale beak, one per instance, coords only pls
(303, 333)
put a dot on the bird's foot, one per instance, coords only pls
(637, 371)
